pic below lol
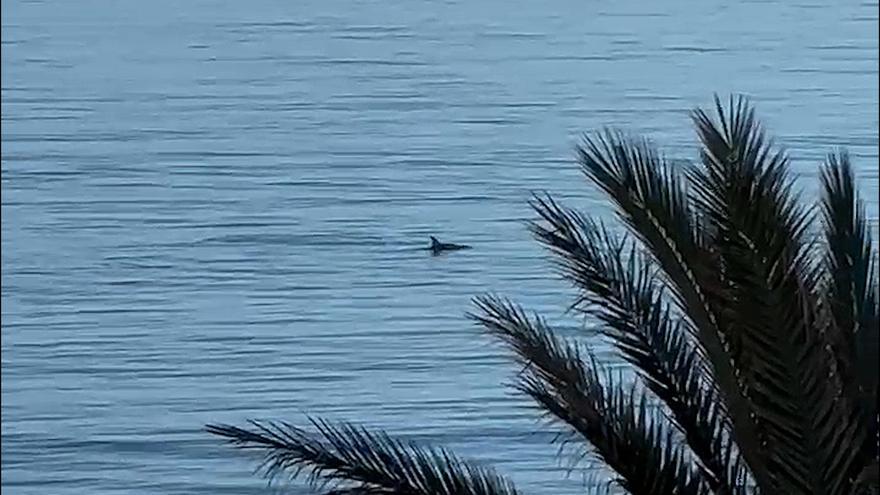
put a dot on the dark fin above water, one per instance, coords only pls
(439, 247)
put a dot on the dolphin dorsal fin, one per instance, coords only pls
(434, 242)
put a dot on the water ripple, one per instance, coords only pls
(216, 214)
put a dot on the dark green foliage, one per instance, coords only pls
(618, 288)
(614, 419)
(347, 459)
(755, 341)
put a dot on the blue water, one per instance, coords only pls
(211, 209)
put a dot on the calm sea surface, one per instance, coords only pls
(212, 210)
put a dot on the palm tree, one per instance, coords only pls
(751, 321)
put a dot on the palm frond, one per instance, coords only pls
(850, 262)
(852, 299)
(617, 286)
(655, 204)
(618, 423)
(346, 459)
(768, 295)
(868, 480)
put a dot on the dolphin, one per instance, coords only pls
(438, 247)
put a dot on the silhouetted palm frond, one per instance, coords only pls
(851, 297)
(616, 421)
(617, 286)
(769, 300)
(653, 201)
(851, 263)
(346, 459)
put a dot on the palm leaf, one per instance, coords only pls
(618, 423)
(617, 286)
(768, 293)
(851, 297)
(346, 459)
(654, 203)
(851, 264)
